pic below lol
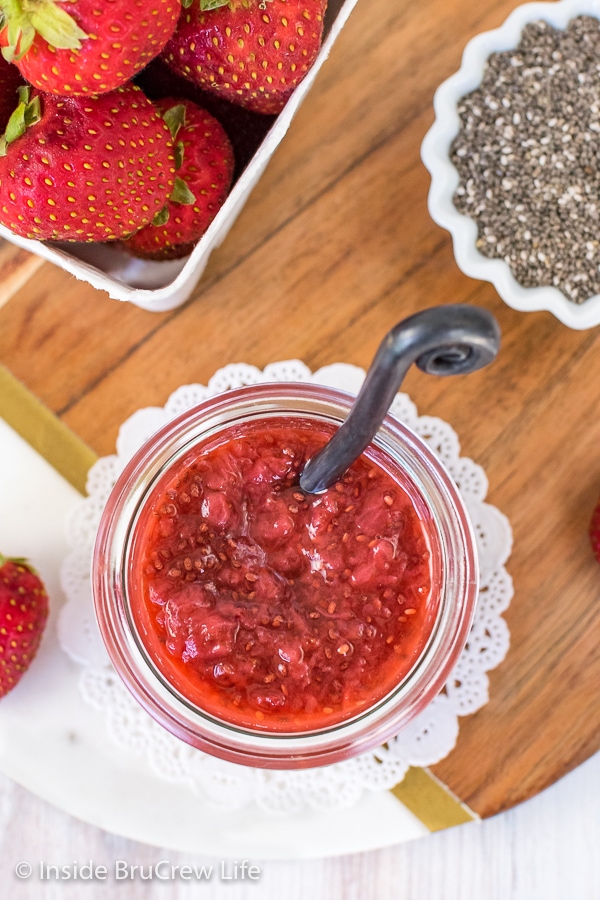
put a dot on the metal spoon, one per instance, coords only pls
(443, 340)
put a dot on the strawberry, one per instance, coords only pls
(594, 531)
(204, 169)
(84, 46)
(245, 129)
(253, 52)
(84, 168)
(23, 615)
(10, 80)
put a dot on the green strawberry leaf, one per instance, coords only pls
(27, 113)
(181, 193)
(33, 112)
(161, 217)
(26, 18)
(23, 93)
(15, 126)
(212, 4)
(20, 34)
(56, 26)
(178, 151)
(175, 119)
(17, 560)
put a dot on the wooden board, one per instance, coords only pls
(335, 246)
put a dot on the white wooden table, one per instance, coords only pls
(546, 849)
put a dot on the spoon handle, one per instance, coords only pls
(444, 340)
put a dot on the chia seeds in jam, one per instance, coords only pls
(270, 608)
(527, 154)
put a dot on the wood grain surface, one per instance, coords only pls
(334, 246)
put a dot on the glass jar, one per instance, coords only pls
(116, 572)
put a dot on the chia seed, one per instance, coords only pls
(527, 154)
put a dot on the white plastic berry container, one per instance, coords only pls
(160, 286)
(435, 153)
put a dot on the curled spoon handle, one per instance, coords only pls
(443, 340)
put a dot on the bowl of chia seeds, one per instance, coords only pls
(514, 159)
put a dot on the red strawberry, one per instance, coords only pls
(23, 615)
(84, 168)
(204, 169)
(595, 531)
(10, 80)
(245, 129)
(84, 46)
(253, 52)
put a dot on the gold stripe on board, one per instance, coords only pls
(36, 424)
(431, 801)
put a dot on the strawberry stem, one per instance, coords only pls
(175, 119)
(212, 4)
(27, 113)
(161, 217)
(181, 193)
(178, 153)
(17, 560)
(48, 18)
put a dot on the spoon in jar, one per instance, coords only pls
(444, 340)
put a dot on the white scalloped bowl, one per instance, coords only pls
(444, 176)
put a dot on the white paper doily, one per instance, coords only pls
(425, 741)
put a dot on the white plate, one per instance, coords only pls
(445, 178)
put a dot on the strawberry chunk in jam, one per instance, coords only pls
(273, 609)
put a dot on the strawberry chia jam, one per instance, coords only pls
(272, 628)
(273, 609)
